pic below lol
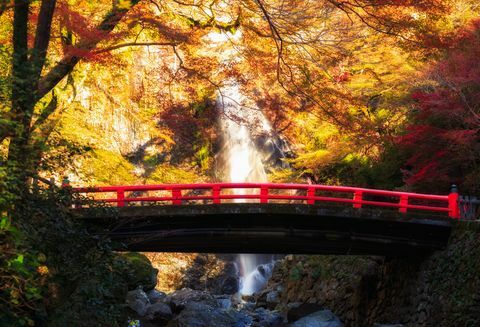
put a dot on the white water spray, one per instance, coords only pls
(242, 124)
(239, 158)
(240, 161)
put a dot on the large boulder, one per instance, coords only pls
(156, 295)
(139, 271)
(323, 318)
(224, 303)
(159, 312)
(266, 318)
(138, 301)
(198, 314)
(298, 310)
(179, 299)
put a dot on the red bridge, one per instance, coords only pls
(267, 217)
(178, 194)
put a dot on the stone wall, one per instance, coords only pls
(442, 289)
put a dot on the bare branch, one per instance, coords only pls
(67, 63)
(42, 37)
(132, 44)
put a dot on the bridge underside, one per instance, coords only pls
(269, 228)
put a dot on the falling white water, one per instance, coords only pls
(255, 270)
(243, 125)
(240, 161)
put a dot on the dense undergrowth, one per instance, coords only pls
(56, 272)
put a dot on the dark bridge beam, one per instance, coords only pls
(270, 228)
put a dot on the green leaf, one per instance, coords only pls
(19, 259)
(4, 223)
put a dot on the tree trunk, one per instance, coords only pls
(22, 98)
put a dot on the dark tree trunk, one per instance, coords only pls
(42, 38)
(22, 96)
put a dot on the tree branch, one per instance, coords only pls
(49, 109)
(68, 62)
(132, 44)
(42, 37)
(277, 38)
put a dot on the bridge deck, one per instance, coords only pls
(270, 228)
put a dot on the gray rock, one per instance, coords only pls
(323, 318)
(197, 314)
(293, 305)
(248, 298)
(158, 312)
(216, 274)
(138, 301)
(155, 295)
(267, 318)
(297, 310)
(180, 298)
(387, 325)
(140, 271)
(272, 299)
(224, 303)
(229, 285)
(248, 306)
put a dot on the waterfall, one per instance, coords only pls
(255, 270)
(240, 160)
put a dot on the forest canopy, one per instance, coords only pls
(342, 81)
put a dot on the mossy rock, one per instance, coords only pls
(140, 271)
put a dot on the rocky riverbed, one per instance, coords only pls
(209, 296)
(193, 308)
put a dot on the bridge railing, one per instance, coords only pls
(216, 193)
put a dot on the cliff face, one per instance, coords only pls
(442, 289)
(117, 113)
(216, 274)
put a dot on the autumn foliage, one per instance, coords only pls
(443, 138)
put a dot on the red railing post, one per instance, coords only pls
(216, 194)
(120, 197)
(453, 209)
(310, 195)
(403, 203)
(357, 199)
(264, 194)
(177, 196)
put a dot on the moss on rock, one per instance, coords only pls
(139, 271)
